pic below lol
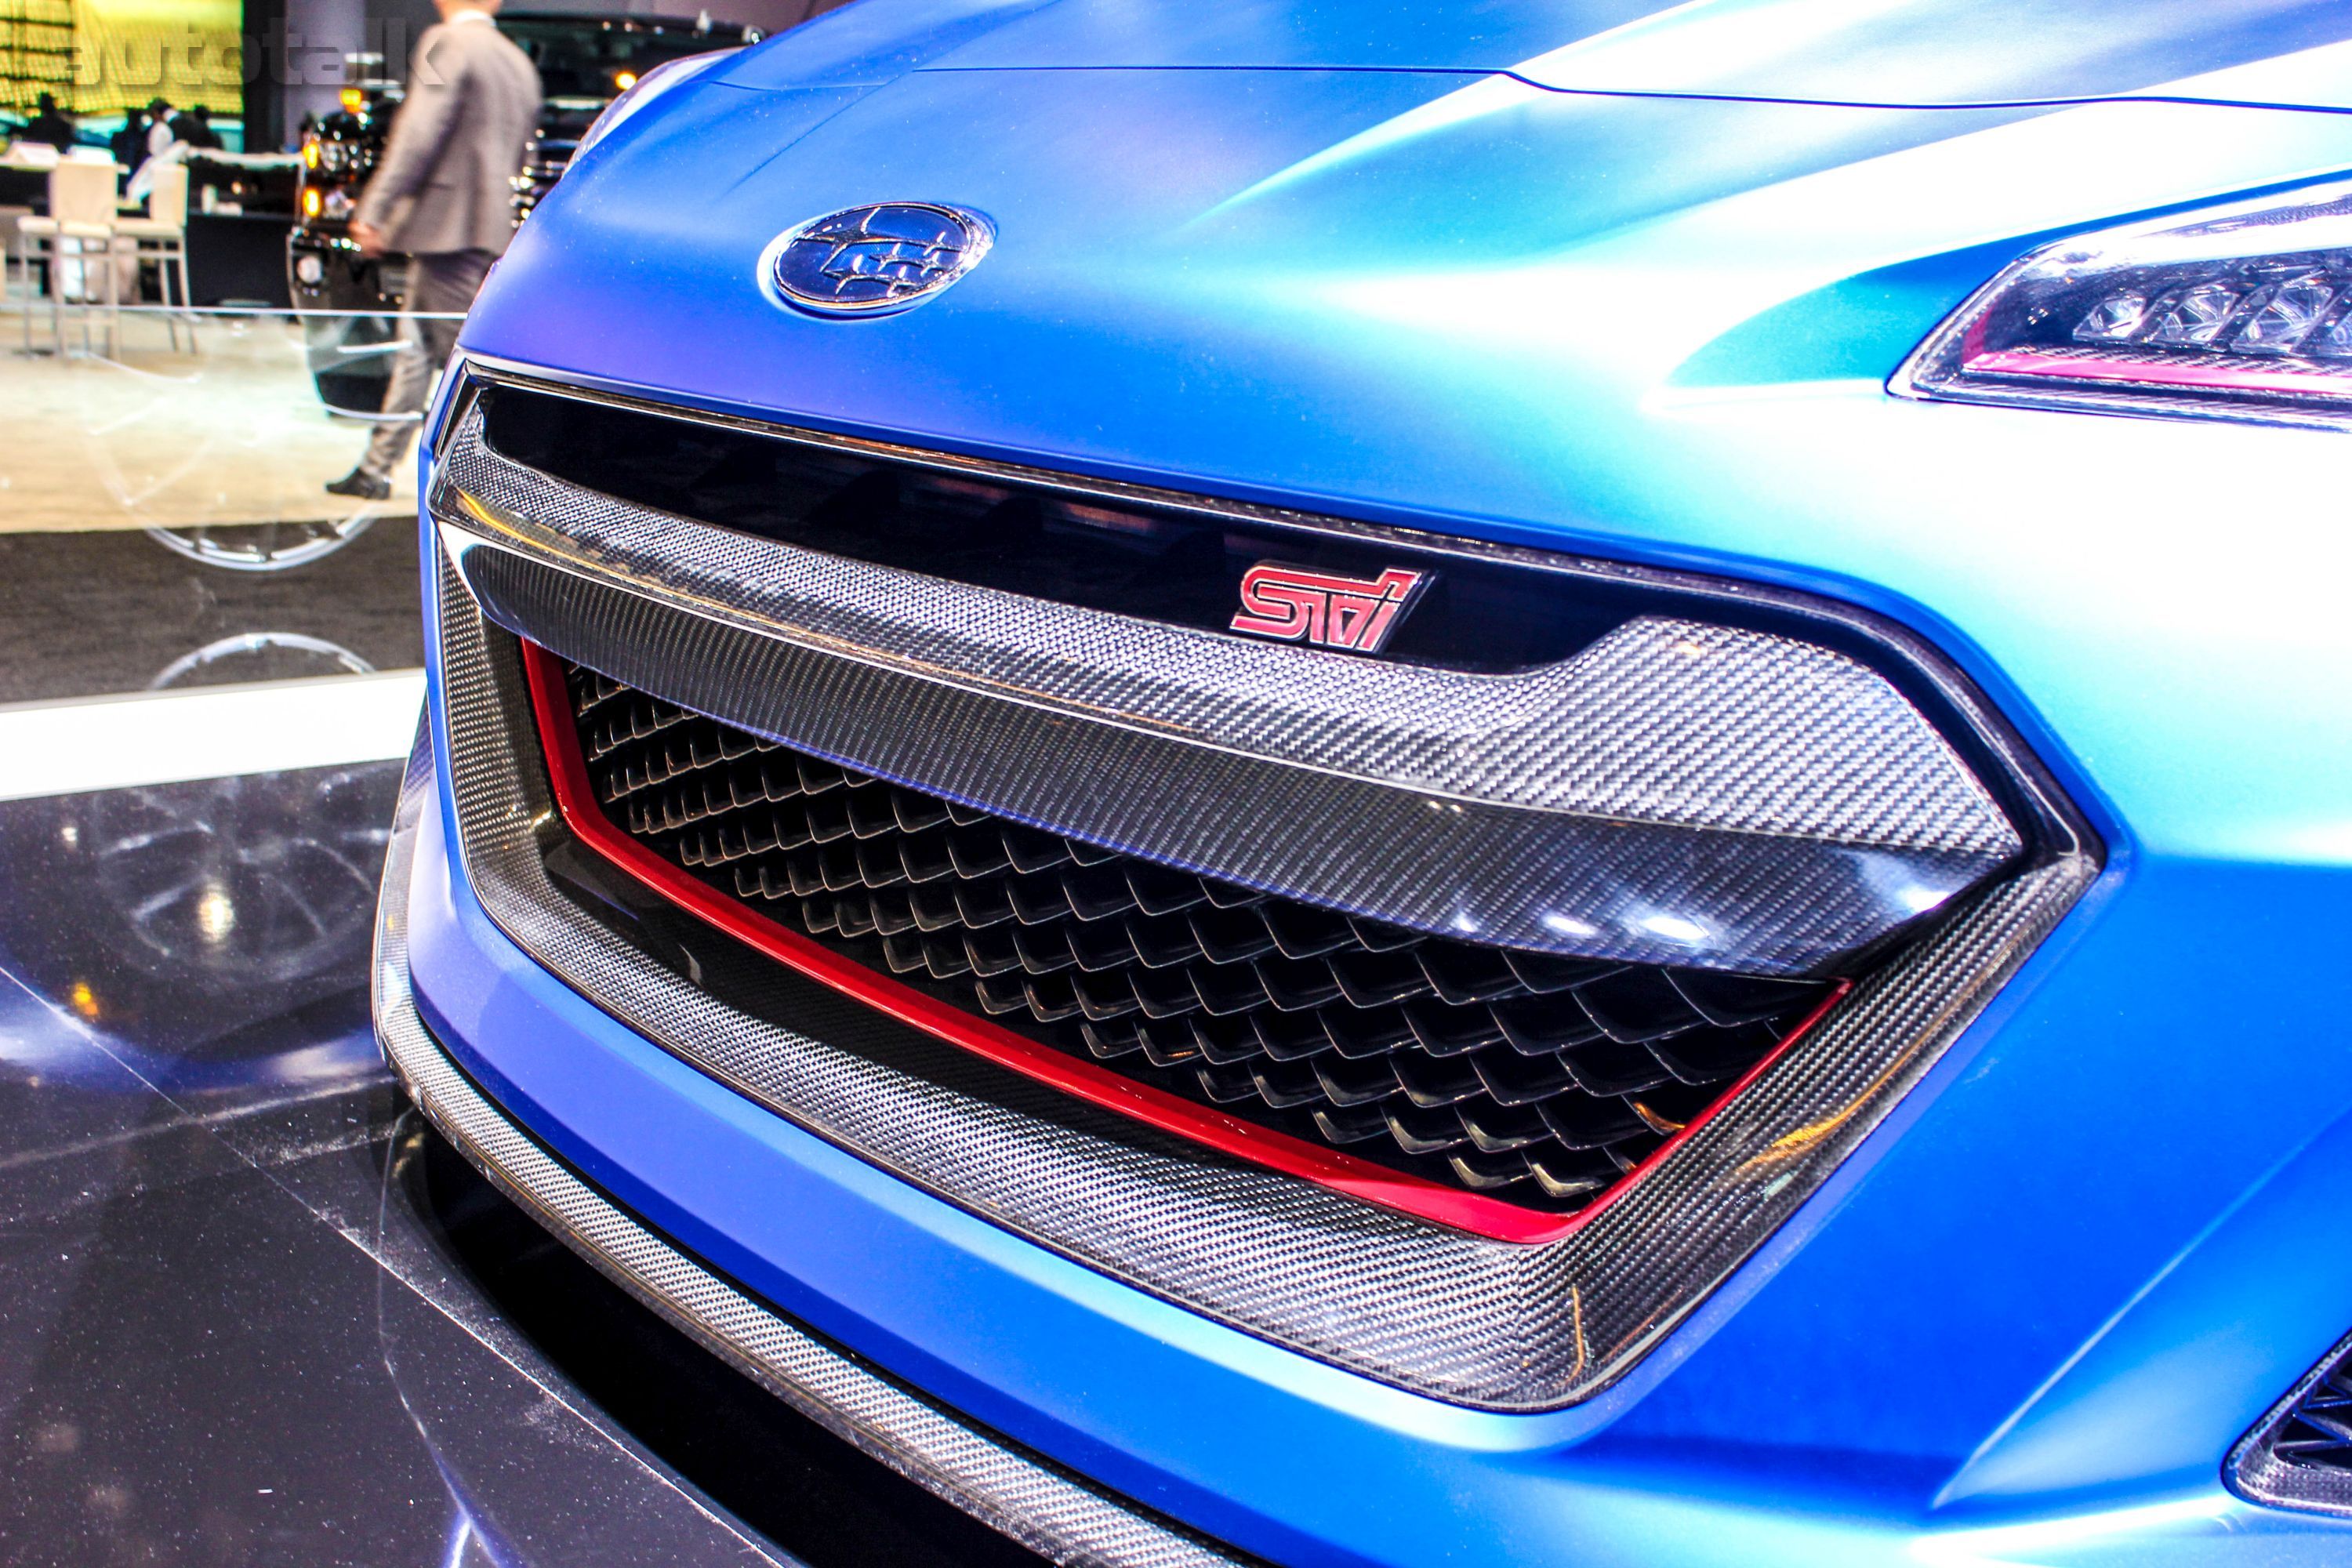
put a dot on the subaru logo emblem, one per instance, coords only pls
(873, 260)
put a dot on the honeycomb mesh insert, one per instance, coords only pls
(1535, 1077)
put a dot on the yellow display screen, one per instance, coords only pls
(127, 53)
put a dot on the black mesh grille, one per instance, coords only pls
(1539, 1079)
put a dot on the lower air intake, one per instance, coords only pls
(2319, 1434)
(1539, 1079)
(2301, 1456)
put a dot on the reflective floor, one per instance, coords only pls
(92, 612)
(251, 1310)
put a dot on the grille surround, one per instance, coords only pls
(1561, 1081)
(1434, 1310)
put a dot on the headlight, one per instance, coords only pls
(2235, 312)
(643, 89)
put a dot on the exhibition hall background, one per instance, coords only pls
(250, 1309)
(259, 66)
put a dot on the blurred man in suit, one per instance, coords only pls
(129, 144)
(194, 127)
(442, 193)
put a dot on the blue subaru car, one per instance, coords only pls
(1384, 783)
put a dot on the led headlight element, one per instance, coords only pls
(2237, 312)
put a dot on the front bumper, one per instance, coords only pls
(1280, 1455)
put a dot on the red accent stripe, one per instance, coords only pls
(1492, 1217)
(2236, 377)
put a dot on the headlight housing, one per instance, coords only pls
(2241, 311)
(643, 91)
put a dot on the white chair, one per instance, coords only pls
(162, 236)
(81, 224)
(10, 217)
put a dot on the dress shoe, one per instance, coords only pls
(359, 482)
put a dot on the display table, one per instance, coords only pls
(25, 177)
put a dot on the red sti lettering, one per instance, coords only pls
(1296, 604)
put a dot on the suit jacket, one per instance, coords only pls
(443, 183)
(187, 128)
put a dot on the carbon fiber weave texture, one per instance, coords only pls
(1850, 808)
(1587, 885)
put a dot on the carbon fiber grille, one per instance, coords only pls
(1489, 1323)
(1538, 1078)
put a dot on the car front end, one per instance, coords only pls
(1389, 788)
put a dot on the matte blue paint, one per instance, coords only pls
(1434, 287)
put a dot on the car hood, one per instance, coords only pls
(1925, 53)
(1649, 329)
(1188, 258)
